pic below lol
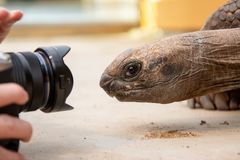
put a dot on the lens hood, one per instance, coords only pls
(60, 78)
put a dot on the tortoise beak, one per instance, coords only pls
(106, 82)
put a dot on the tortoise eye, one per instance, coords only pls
(131, 70)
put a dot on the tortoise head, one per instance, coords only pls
(153, 73)
(176, 68)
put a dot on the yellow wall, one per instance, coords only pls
(177, 15)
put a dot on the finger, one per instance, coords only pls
(9, 155)
(14, 17)
(12, 127)
(12, 93)
(7, 19)
(206, 103)
(4, 14)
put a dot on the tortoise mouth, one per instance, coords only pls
(110, 86)
(126, 93)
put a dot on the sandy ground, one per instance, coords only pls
(101, 128)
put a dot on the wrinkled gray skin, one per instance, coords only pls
(184, 66)
(227, 16)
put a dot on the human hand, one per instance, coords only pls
(7, 19)
(11, 127)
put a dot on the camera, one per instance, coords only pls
(45, 77)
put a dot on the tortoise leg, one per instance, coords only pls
(234, 103)
(221, 101)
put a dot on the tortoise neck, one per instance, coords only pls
(217, 54)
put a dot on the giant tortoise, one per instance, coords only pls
(202, 65)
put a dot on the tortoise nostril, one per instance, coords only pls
(105, 81)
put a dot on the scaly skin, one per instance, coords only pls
(227, 16)
(176, 68)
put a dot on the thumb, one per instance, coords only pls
(12, 93)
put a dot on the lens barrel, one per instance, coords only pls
(45, 77)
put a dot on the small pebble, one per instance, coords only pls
(203, 122)
(224, 123)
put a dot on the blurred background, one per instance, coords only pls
(110, 16)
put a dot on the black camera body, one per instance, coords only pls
(44, 75)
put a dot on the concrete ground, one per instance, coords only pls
(101, 128)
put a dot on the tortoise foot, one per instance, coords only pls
(221, 101)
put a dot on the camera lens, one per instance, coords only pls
(45, 77)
